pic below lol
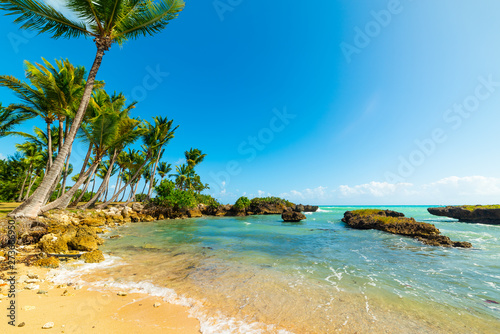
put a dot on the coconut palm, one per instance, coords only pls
(164, 169)
(163, 133)
(154, 137)
(33, 158)
(107, 22)
(184, 173)
(9, 119)
(194, 157)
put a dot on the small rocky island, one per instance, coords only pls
(396, 223)
(484, 214)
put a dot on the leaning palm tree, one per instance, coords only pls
(194, 157)
(107, 22)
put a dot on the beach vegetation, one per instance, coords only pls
(242, 203)
(475, 207)
(271, 200)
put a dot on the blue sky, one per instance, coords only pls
(336, 102)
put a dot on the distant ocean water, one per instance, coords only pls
(258, 274)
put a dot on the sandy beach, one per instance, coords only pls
(75, 309)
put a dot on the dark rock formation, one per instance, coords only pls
(396, 223)
(305, 208)
(476, 215)
(292, 216)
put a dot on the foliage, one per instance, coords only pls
(242, 203)
(140, 197)
(270, 200)
(207, 200)
(11, 177)
(86, 197)
(474, 207)
(174, 198)
(366, 212)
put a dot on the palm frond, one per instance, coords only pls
(35, 15)
(146, 18)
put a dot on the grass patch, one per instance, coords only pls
(474, 207)
(366, 212)
(5, 208)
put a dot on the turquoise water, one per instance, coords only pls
(319, 276)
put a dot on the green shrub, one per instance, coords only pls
(270, 200)
(177, 199)
(242, 203)
(207, 200)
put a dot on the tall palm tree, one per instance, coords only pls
(164, 169)
(194, 157)
(33, 158)
(163, 133)
(184, 173)
(107, 22)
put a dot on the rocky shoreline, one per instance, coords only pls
(469, 214)
(396, 223)
(68, 234)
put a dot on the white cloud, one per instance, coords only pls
(309, 196)
(449, 190)
(2, 157)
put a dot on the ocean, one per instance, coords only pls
(258, 274)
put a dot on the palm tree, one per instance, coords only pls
(33, 158)
(164, 169)
(107, 22)
(163, 133)
(194, 157)
(8, 120)
(184, 173)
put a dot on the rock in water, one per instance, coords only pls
(95, 256)
(292, 216)
(396, 223)
(470, 214)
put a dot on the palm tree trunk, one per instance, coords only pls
(132, 179)
(103, 183)
(49, 144)
(144, 188)
(87, 182)
(153, 173)
(63, 201)
(32, 207)
(132, 193)
(118, 182)
(67, 160)
(28, 173)
(32, 181)
(123, 196)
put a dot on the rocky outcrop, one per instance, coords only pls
(396, 223)
(292, 216)
(306, 208)
(94, 256)
(475, 214)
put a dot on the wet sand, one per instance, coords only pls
(75, 309)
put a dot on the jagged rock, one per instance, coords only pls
(396, 223)
(94, 221)
(51, 243)
(85, 239)
(311, 208)
(292, 216)
(126, 211)
(95, 256)
(299, 208)
(137, 207)
(195, 212)
(475, 215)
